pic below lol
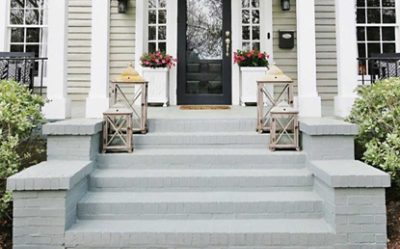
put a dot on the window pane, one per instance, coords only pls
(389, 48)
(361, 50)
(373, 49)
(17, 3)
(373, 34)
(360, 3)
(162, 16)
(256, 33)
(388, 3)
(360, 33)
(245, 3)
(246, 45)
(32, 16)
(152, 17)
(152, 47)
(33, 3)
(246, 33)
(162, 46)
(374, 15)
(162, 32)
(256, 16)
(17, 16)
(373, 3)
(152, 32)
(34, 49)
(256, 46)
(162, 3)
(17, 35)
(388, 34)
(246, 16)
(361, 15)
(389, 15)
(17, 48)
(33, 35)
(255, 3)
(152, 4)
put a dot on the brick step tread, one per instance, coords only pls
(201, 233)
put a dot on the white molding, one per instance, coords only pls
(172, 47)
(98, 99)
(3, 25)
(59, 105)
(308, 101)
(347, 65)
(139, 32)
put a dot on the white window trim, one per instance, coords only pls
(7, 39)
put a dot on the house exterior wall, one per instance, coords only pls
(122, 44)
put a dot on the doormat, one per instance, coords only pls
(204, 107)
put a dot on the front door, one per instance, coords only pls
(204, 52)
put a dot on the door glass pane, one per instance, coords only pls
(204, 46)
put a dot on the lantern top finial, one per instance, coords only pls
(130, 75)
(275, 74)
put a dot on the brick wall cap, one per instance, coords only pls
(51, 175)
(77, 127)
(327, 126)
(349, 174)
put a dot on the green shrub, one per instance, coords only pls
(20, 115)
(377, 112)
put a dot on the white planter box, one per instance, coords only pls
(158, 79)
(248, 83)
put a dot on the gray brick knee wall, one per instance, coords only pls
(41, 217)
(328, 147)
(73, 147)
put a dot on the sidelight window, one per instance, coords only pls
(250, 24)
(157, 25)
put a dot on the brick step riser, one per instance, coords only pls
(196, 183)
(245, 161)
(132, 165)
(202, 189)
(201, 125)
(212, 210)
(201, 240)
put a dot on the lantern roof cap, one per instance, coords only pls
(130, 75)
(275, 74)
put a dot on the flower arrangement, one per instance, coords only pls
(157, 60)
(251, 58)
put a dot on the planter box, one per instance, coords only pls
(248, 83)
(158, 79)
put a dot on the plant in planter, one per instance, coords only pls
(253, 66)
(156, 70)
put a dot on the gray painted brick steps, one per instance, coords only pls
(290, 233)
(200, 205)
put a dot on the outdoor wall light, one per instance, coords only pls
(285, 4)
(122, 6)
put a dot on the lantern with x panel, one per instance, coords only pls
(117, 130)
(284, 128)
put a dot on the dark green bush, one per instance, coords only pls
(377, 112)
(20, 115)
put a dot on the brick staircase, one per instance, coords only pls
(201, 184)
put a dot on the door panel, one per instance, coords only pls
(204, 58)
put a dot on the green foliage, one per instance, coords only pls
(377, 112)
(19, 116)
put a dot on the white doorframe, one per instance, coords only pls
(172, 39)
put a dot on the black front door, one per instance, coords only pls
(204, 57)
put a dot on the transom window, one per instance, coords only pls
(157, 25)
(251, 24)
(28, 26)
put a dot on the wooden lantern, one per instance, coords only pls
(266, 99)
(131, 90)
(117, 130)
(284, 128)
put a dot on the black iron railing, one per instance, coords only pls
(24, 68)
(378, 67)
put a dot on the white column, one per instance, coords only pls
(59, 105)
(346, 43)
(308, 101)
(3, 26)
(98, 99)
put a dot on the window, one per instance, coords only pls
(27, 26)
(377, 28)
(157, 25)
(251, 24)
